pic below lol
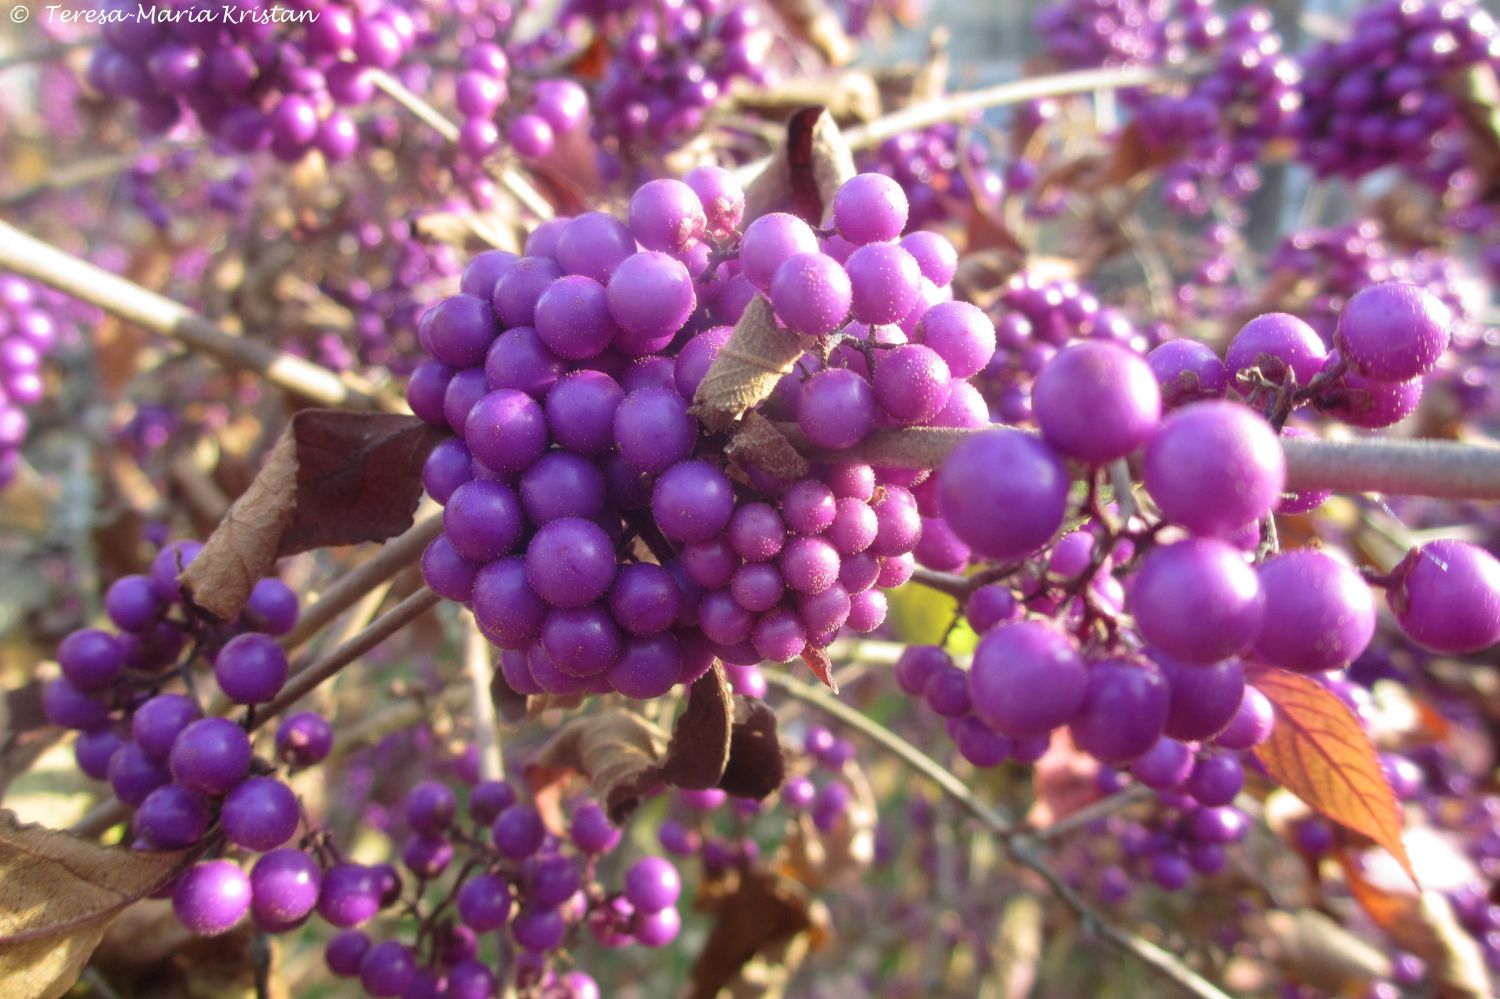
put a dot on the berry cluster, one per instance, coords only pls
(483, 91)
(508, 873)
(944, 171)
(589, 522)
(28, 333)
(1082, 34)
(1383, 95)
(1229, 113)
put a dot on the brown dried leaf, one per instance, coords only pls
(806, 172)
(617, 750)
(756, 766)
(757, 442)
(333, 478)
(849, 95)
(58, 894)
(757, 912)
(700, 743)
(510, 706)
(759, 352)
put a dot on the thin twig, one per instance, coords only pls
(393, 556)
(31, 257)
(308, 679)
(1093, 812)
(480, 671)
(1437, 468)
(1020, 847)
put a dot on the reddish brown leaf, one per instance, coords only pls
(758, 354)
(756, 766)
(58, 894)
(817, 660)
(700, 743)
(1319, 751)
(1065, 780)
(333, 478)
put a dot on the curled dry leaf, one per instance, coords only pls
(758, 353)
(618, 751)
(148, 952)
(805, 173)
(333, 478)
(24, 732)
(58, 894)
(758, 913)
(1321, 953)
(756, 766)
(849, 95)
(700, 743)
(1319, 751)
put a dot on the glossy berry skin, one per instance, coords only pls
(652, 884)
(387, 969)
(518, 832)
(1124, 711)
(90, 658)
(1004, 493)
(284, 887)
(210, 756)
(303, 739)
(157, 723)
(1252, 722)
(870, 208)
(1187, 371)
(345, 951)
(1320, 615)
(1393, 332)
(350, 895)
(1027, 679)
(1197, 601)
(1164, 766)
(811, 293)
(211, 897)
(1214, 467)
(1204, 698)
(172, 817)
(484, 903)
(836, 408)
(1274, 343)
(430, 808)
(260, 814)
(251, 668)
(1447, 597)
(1096, 401)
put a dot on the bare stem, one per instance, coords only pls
(393, 556)
(33, 258)
(1021, 848)
(1437, 468)
(383, 627)
(480, 671)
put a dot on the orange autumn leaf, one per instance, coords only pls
(1319, 751)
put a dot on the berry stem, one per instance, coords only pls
(31, 257)
(1022, 848)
